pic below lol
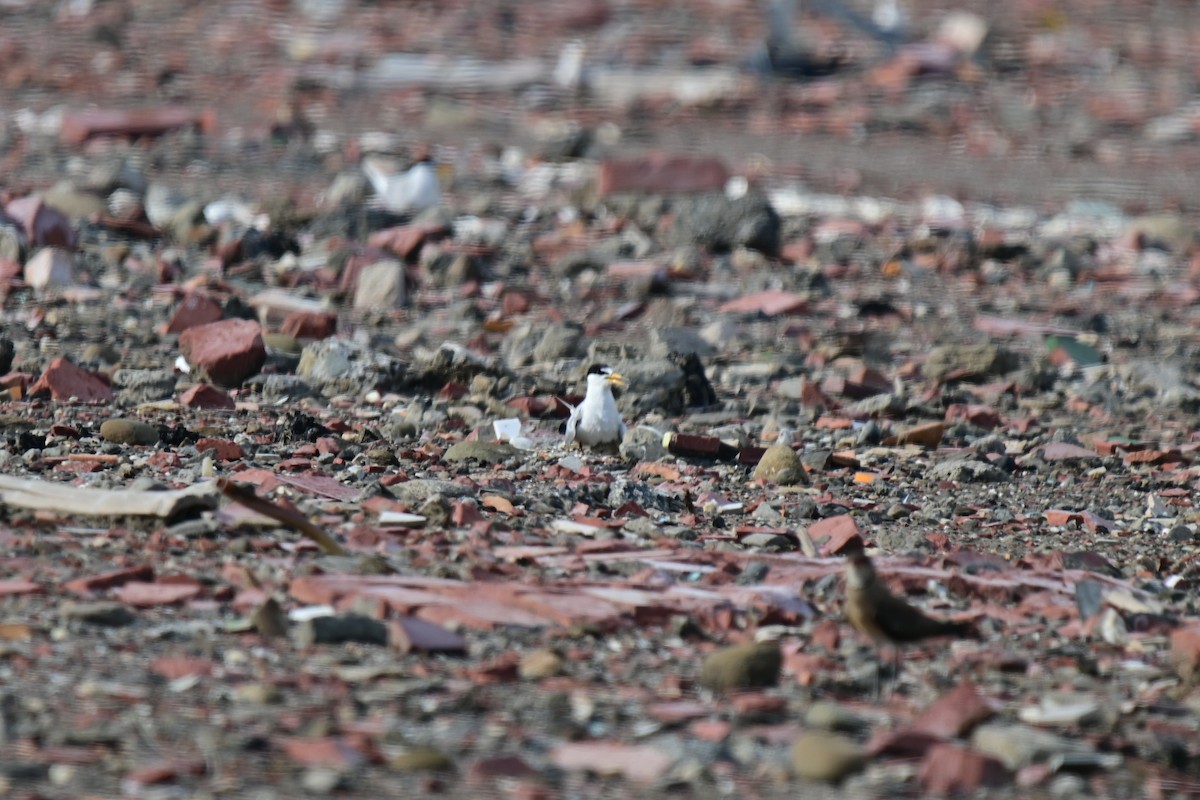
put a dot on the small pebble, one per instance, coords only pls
(745, 666)
(128, 431)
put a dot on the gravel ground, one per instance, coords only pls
(264, 538)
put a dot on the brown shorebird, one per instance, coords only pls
(886, 618)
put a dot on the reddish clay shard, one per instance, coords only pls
(80, 126)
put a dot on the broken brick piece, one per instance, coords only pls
(310, 324)
(228, 351)
(207, 396)
(662, 174)
(64, 381)
(195, 309)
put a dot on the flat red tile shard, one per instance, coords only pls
(770, 303)
(491, 768)
(322, 485)
(327, 751)
(15, 586)
(955, 713)
(1065, 451)
(164, 772)
(660, 173)
(144, 595)
(106, 580)
(949, 769)
(174, 667)
(81, 125)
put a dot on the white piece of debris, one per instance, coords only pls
(402, 519)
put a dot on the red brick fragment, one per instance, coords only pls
(901, 743)
(405, 240)
(64, 380)
(1185, 650)
(162, 772)
(757, 704)
(228, 351)
(660, 173)
(207, 396)
(504, 766)
(195, 309)
(769, 303)
(45, 226)
(107, 580)
(225, 449)
(145, 595)
(310, 324)
(81, 125)
(953, 770)
(513, 302)
(173, 668)
(980, 416)
(711, 730)
(955, 713)
(833, 534)
(14, 586)
(1065, 451)
(328, 751)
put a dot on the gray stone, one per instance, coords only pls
(780, 464)
(967, 471)
(74, 202)
(340, 366)
(719, 222)
(418, 490)
(667, 341)
(791, 388)
(643, 444)
(1018, 746)
(560, 340)
(481, 452)
(768, 541)
(380, 286)
(174, 213)
(768, 514)
(823, 756)
(831, 716)
(128, 431)
(137, 386)
(892, 539)
(745, 666)
(643, 527)
(969, 362)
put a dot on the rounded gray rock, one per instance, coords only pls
(128, 431)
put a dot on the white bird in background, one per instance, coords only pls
(596, 421)
(406, 192)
